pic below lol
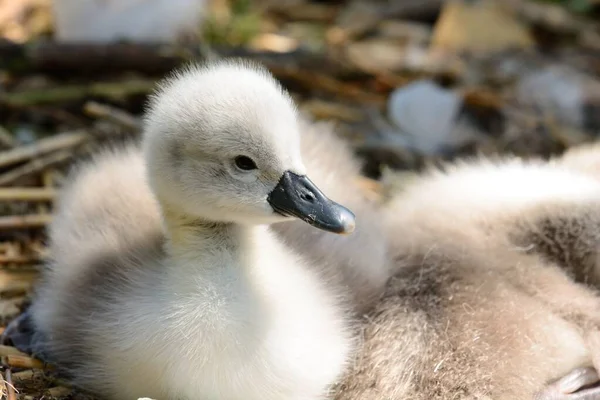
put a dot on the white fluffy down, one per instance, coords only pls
(226, 310)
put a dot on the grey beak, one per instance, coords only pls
(297, 196)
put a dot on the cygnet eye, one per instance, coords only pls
(245, 163)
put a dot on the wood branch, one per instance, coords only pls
(110, 90)
(27, 194)
(59, 392)
(34, 166)
(84, 59)
(10, 388)
(113, 114)
(24, 361)
(6, 139)
(16, 281)
(20, 259)
(322, 109)
(324, 82)
(3, 387)
(43, 146)
(6, 351)
(24, 221)
(87, 58)
(25, 376)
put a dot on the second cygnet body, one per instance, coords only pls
(218, 308)
(494, 294)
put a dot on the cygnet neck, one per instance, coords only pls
(189, 236)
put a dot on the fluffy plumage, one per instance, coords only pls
(493, 294)
(172, 286)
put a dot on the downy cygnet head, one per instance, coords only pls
(221, 143)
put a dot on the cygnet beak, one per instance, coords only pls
(296, 195)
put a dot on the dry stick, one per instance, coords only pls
(326, 83)
(15, 358)
(111, 90)
(24, 376)
(20, 259)
(27, 194)
(112, 114)
(3, 387)
(85, 58)
(33, 167)
(10, 388)
(6, 351)
(6, 139)
(24, 362)
(43, 146)
(59, 391)
(30, 374)
(16, 280)
(330, 110)
(24, 221)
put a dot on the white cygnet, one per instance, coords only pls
(205, 303)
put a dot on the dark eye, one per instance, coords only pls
(245, 163)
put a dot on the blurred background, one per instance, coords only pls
(408, 83)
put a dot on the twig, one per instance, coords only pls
(34, 166)
(6, 139)
(43, 146)
(330, 110)
(24, 221)
(6, 351)
(27, 194)
(59, 392)
(113, 114)
(324, 82)
(10, 388)
(16, 280)
(20, 259)
(30, 374)
(3, 387)
(25, 362)
(111, 90)
(84, 59)
(24, 376)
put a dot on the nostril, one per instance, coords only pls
(307, 196)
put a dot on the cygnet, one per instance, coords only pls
(188, 294)
(494, 293)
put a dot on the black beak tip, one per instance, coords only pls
(347, 222)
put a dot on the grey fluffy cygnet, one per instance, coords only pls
(494, 293)
(187, 293)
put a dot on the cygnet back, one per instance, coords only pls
(584, 158)
(477, 308)
(104, 208)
